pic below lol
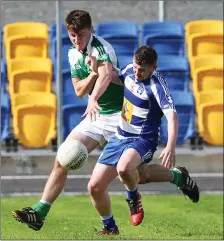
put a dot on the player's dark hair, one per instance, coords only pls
(78, 20)
(145, 55)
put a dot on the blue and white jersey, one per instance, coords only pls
(144, 104)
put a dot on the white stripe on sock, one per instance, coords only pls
(106, 217)
(45, 202)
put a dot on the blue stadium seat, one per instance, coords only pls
(3, 74)
(5, 116)
(123, 36)
(1, 42)
(73, 99)
(72, 112)
(175, 70)
(67, 82)
(124, 60)
(184, 102)
(66, 45)
(53, 31)
(166, 37)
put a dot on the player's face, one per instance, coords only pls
(80, 39)
(142, 72)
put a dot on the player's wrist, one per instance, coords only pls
(94, 73)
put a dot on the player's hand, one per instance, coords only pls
(92, 62)
(168, 157)
(92, 109)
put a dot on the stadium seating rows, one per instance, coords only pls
(30, 74)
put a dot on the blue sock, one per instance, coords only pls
(132, 195)
(109, 221)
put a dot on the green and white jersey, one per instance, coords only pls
(112, 99)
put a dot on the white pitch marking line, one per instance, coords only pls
(38, 177)
(29, 194)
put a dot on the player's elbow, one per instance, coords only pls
(79, 92)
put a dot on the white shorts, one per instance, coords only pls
(100, 130)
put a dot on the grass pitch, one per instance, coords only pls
(166, 217)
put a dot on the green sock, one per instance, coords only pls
(42, 209)
(177, 177)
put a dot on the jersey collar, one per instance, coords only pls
(89, 46)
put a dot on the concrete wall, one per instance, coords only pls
(137, 11)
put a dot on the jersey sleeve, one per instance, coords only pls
(123, 72)
(162, 94)
(104, 58)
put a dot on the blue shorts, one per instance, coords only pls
(115, 148)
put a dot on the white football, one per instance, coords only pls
(72, 154)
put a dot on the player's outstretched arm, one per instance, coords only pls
(168, 154)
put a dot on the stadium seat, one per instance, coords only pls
(123, 36)
(26, 39)
(203, 26)
(73, 99)
(1, 42)
(167, 37)
(124, 60)
(34, 118)
(205, 44)
(210, 122)
(72, 117)
(212, 96)
(5, 116)
(73, 109)
(175, 70)
(67, 82)
(66, 45)
(184, 102)
(207, 73)
(3, 75)
(29, 75)
(53, 31)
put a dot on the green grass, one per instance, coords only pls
(166, 217)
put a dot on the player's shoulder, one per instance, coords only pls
(99, 41)
(156, 75)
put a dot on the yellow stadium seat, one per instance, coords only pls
(34, 119)
(205, 44)
(210, 122)
(207, 73)
(26, 39)
(208, 97)
(203, 26)
(28, 75)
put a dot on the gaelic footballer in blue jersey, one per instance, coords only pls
(146, 100)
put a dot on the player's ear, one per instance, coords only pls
(154, 67)
(91, 29)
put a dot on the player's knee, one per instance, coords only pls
(94, 188)
(123, 171)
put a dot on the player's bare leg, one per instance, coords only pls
(58, 176)
(178, 176)
(154, 173)
(129, 175)
(34, 217)
(102, 176)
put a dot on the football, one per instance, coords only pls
(72, 154)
